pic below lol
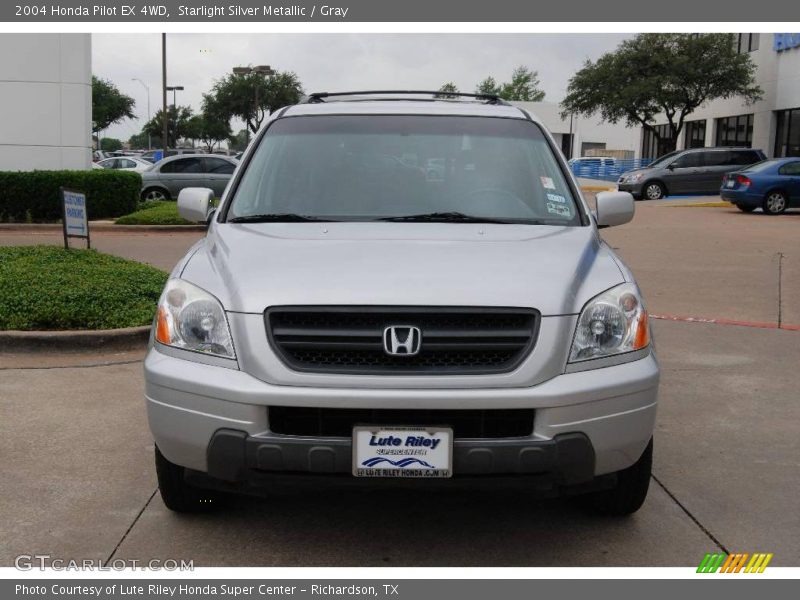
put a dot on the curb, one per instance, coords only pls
(104, 226)
(127, 338)
(597, 188)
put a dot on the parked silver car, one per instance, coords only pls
(168, 177)
(352, 311)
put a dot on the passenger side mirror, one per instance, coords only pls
(614, 208)
(671, 166)
(194, 204)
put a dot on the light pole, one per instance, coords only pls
(264, 70)
(147, 87)
(174, 89)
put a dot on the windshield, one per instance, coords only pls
(414, 167)
(664, 159)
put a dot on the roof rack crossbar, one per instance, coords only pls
(317, 97)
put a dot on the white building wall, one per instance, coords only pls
(45, 101)
(584, 129)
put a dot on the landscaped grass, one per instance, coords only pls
(163, 212)
(50, 288)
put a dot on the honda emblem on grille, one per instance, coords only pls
(402, 340)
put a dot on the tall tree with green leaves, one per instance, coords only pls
(208, 129)
(523, 87)
(448, 91)
(662, 77)
(109, 105)
(252, 97)
(178, 124)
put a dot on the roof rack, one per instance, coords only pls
(318, 97)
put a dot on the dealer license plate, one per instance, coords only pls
(380, 451)
(730, 183)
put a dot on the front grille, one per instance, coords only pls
(455, 341)
(339, 422)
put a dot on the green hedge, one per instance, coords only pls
(33, 196)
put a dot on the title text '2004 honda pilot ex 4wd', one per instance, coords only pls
(397, 285)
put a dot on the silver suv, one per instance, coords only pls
(397, 285)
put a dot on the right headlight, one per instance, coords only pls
(612, 323)
(190, 318)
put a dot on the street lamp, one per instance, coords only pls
(147, 87)
(174, 89)
(264, 70)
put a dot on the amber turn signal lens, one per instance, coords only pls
(162, 327)
(642, 332)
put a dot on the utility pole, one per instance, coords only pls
(164, 115)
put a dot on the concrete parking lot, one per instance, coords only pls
(78, 480)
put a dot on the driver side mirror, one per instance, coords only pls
(613, 208)
(194, 204)
(671, 166)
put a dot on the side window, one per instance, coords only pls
(717, 159)
(126, 164)
(110, 164)
(744, 157)
(792, 168)
(183, 165)
(692, 159)
(218, 166)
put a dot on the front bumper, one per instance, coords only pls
(214, 420)
(631, 188)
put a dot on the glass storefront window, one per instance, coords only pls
(735, 131)
(787, 135)
(695, 134)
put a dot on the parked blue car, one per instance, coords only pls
(771, 185)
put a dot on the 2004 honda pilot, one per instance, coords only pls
(401, 285)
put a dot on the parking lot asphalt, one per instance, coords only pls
(78, 479)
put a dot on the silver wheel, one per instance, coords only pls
(654, 191)
(154, 194)
(775, 203)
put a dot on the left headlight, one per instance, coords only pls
(612, 323)
(190, 318)
(632, 178)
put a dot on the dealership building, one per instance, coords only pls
(45, 101)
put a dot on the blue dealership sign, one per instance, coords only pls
(785, 41)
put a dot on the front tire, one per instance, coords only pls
(178, 495)
(628, 495)
(151, 194)
(775, 203)
(654, 190)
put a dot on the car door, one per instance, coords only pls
(682, 174)
(218, 172)
(181, 173)
(790, 172)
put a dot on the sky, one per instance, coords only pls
(335, 62)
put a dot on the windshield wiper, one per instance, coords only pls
(277, 218)
(442, 217)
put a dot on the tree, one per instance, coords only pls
(488, 86)
(110, 144)
(252, 97)
(662, 75)
(238, 142)
(140, 140)
(523, 87)
(448, 91)
(177, 126)
(109, 105)
(208, 130)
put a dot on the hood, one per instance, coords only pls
(250, 267)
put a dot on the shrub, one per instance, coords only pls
(50, 288)
(162, 212)
(33, 195)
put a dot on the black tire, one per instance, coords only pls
(178, 495)
(154, 193)
(654, 190)
(775, 203)
(745, 209)
(628, 495)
